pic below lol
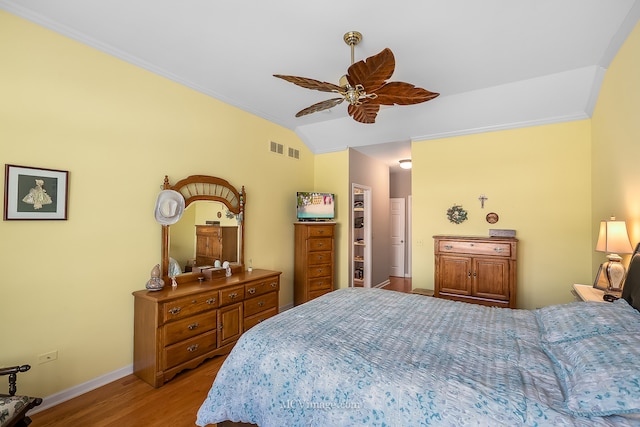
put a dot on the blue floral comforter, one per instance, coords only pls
(370, 357)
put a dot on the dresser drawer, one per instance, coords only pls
(316, 294)
(252, 321)
(319, 244)
(260, 303)
(322, 283)
(316, 258)
(320, 271)
(189, 327)
(231, 295)
(320, 231)
(476, 248)
(189, 349)
(183, 307)
(262, 287)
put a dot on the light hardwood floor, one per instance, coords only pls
(130, 402)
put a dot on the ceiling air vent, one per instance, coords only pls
(274, 147)
(294, 153)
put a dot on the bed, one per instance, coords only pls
(371, 357)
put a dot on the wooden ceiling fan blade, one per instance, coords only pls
(364, 113)
(310, 83)
(324, 105)
(401, 93)
(373, 71)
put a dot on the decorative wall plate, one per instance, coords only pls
(492, 217)
(456, 214)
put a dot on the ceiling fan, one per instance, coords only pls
(364, 86)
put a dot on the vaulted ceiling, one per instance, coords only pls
(497, 64)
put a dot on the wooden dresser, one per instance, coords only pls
(314, 260)
(214, 242)
(479, 270)
(178, 329)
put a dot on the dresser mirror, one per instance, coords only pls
(213, 209)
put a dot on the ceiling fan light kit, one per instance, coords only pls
(364, 87)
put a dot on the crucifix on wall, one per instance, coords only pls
(482, 199)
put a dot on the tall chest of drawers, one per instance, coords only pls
(314, 260)
(177, 329)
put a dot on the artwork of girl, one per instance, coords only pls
(38, 196)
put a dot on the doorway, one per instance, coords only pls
(397, 208)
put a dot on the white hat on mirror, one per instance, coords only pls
(169, 207)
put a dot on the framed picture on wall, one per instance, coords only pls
(35, 193)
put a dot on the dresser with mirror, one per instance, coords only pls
(179, 327)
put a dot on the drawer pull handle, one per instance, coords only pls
(211, 301)
(233, 295)
(193, 326)
(192, 348)
(252, 291)
(193, 301)
(261, 304)
(175, 310)
(274, 284)
(469, 274)
(448, 247)
(498, 249)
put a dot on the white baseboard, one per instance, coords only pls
(70, 393)
(383, 284)
(286, 307)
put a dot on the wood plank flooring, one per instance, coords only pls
(130, 402)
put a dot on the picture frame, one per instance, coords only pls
(32, 193)
(601, 280)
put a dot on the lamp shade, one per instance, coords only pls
(613, 237)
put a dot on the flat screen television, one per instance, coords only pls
(315, 206)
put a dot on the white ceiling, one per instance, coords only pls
(497, 64)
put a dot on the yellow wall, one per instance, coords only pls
(536, 179)
(616, 144)
(332, 175)
(117, 129)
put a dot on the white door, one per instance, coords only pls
(397, 206)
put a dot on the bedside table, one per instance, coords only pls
(587, 293)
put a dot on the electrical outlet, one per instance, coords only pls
(419, 243)
(48, 357)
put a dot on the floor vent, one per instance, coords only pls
(294, 153)
(274, 147)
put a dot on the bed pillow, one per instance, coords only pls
(599, 375)
(579, 320)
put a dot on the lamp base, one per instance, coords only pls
(615, 273)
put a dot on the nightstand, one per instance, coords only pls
(587, 293)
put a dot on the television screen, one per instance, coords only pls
(313, 206)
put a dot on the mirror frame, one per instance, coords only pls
(211, 188)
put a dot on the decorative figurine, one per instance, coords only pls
(155, 283)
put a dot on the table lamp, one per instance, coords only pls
(613, 239)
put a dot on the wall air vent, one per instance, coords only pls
(294, 153)
(274, 147)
